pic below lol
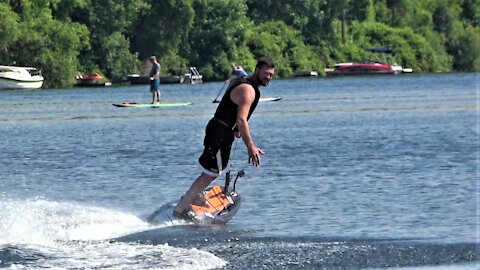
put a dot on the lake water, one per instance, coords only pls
(359, 173)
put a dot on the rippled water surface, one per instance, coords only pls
(359, 173)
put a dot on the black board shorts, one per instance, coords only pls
(217, 144)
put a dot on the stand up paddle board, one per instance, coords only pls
(149, 105)
(264, 99)
(218, 205)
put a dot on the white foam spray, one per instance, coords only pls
(71, 235)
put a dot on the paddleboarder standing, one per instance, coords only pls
(230, 121)
(155, 80)
(237, 72)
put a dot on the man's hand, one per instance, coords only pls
(254, 155)
(237, 134)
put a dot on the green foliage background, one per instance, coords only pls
(114, 37)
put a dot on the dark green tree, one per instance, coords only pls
(111, 25)
(442, 20)
(398, 10)
(9, 31)
(409, 49)
(218, 36)
(46, 43)
(284, 45)
(471, 12)
(464, 46)
(360, 10)
(312, 17)
(163, 30)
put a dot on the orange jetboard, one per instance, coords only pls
(216, 201)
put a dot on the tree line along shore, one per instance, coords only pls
(64, 38)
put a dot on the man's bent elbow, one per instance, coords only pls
(241, 122)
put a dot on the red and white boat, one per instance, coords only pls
(369, 67)
(93, 79)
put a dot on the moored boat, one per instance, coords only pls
(308, 73)
(137, 79)
(93, 79)
(370, 67)
(365, 69)
(13, 77)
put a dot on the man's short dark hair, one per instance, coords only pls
(265, 61)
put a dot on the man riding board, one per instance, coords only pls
(230, 121)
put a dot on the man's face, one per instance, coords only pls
(265, 74)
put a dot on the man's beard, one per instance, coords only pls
(263, 83)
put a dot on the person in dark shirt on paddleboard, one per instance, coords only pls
(237, 72)
(230, 121)
(155, 80)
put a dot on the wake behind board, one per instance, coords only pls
(149, 105)
(217, 207)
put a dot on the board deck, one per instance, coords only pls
(219, 208)
(148, 105)
(265, 99)
(215, 200)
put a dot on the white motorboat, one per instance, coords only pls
(12, 77)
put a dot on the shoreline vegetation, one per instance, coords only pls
(115, 38)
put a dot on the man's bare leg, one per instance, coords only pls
(198, 186)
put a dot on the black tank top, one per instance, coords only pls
(227, 109)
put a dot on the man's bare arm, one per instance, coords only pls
(244, 95)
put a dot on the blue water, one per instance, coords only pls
(359, 173)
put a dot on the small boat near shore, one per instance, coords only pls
(13, 77)
(369, 67)
(308, 73)
(91, 80)
(366, 69)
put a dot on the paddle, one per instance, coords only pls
(221, 90)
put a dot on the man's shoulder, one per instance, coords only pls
(241, 82)
(243, 89)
